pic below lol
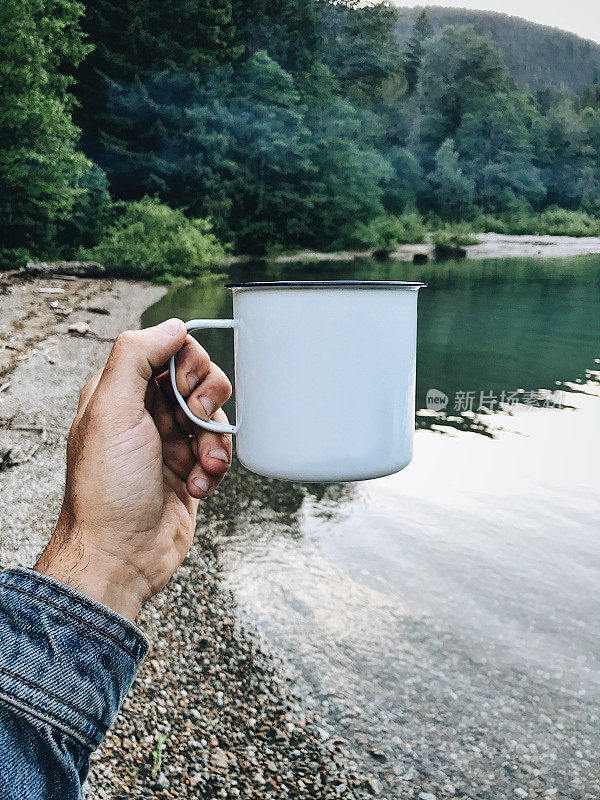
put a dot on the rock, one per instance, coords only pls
(373, 786)
(6, 459)
(427, 796)
(50, 290)
(341, 788)
(219, 760)
(81, 329)
(162, 782)
(378, 755)
(99, 310)
(521, 792)
(80, 269)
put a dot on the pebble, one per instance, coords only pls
(80, 328)
(162, 781)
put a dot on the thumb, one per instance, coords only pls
(134, 356)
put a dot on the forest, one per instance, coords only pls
(157, 136)
(537, 56)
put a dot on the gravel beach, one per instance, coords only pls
(212, 713)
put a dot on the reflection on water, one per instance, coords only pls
(447, 616)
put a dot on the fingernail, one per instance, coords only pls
(201, 483)
(192, 381)
(208, 406)
(220, 454)
(171, 326)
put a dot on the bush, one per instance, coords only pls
(561, 222)
(553, 221)
(13, 257)
(151, 240)
(384, 233)
(451, 240)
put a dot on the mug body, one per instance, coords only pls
(325, 378)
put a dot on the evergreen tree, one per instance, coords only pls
(451, 190)
(564, 155)
(422, 30)
(285, 29)
(134, 40)
(407, 183)
(41, 43)
(460, 72)
(496, 149)
(360, 49)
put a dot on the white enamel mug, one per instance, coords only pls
(324, 377)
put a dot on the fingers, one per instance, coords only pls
(203, 384)
(191, 365)
(134, 356)
(176, 445)
(206, 398)
(200, 461)
(213, 459)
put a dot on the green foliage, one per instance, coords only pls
(40, 43)
(291, 123)
(450, 240)
(151, 240)
(552, 221)
(383, 234)
(157, 754)
(460, 72)
(497, 150)
(422, 30)
(13, 258)
(361, 50)
(91, 214)
(285, 29)
(407, 183)
(537, 56)
(451, 190)
(134, 40)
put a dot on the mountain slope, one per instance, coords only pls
(537, 56)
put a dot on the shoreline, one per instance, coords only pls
(227, 705)
(490, 245)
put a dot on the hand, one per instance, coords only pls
(136, 468)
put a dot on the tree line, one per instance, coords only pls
(280, 124)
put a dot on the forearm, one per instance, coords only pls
(66, 664)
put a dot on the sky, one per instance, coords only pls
(578, 16)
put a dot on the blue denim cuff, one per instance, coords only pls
(64, 659)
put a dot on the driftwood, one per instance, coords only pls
(80, 269)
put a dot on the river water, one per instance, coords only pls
(446, 619)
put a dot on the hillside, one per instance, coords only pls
(537, 55)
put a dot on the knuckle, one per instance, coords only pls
(124, 341)
(224, 385)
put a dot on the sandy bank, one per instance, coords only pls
(490, 245)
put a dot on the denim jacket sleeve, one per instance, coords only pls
(66, 664)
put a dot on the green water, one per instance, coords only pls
(484, 326)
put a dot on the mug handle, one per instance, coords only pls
(195, 325)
